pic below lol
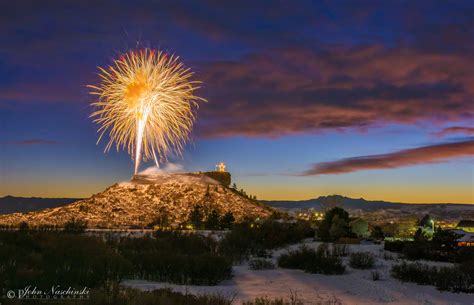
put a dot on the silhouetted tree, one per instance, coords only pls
(75, 226)
(227, 221)
(212, 221)
(330, 202)
(196, 217)
(420, 236)
(377, 233)
(426, 222)
(334, 225)
(23, 226)
(339, 228)
(445, 239)
(161, 219)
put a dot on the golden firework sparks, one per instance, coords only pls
(146, 103)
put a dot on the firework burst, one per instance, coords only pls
(146, 104)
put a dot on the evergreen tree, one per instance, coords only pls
(339, 228)
(445, 239)
(426, 222)
(196, 217)
(377, 233)
(212, 221)
(75, 226)
(23, 226)
(227, 221)
(329, 231)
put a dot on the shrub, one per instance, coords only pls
(261, 264)
(169, 266)
(455, 279)
(75, 226)
(361, 260)
(116, 295)
(48, 258)
(294, 300)
(443, 248)
(388, 256)
(267, 301)
(394, 246)
(248, 238)
(375, 275)
(340, 250)
(377, 233)
(334, 225)
(176, 257)
(322, 261)
(297, 259)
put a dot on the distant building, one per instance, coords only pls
(466, 225)
(466, 239)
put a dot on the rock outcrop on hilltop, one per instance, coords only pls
(140, 201)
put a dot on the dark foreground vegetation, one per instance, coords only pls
(324, 260)
(361, 260)
(442, 247)
(255, 239)
(120, 296)
(71, 259)
(455, 279)
(46, 258)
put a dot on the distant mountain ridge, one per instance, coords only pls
(11, 204)
(350, 203)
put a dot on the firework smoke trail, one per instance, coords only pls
(146, 103)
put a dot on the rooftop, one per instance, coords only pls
(466, 224)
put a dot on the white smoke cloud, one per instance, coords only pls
(168, 168)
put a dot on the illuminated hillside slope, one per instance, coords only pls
(140, 201)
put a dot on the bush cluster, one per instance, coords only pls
(47, 258)
(335, 225)
(176, 257)
(361, 260)
(340, 250)
(293, 299)
(455, 279)
(261, 264)
(252, 239)
(430, 250)
(375, 275)
(323, 260)
(116, 295)
(212, 220)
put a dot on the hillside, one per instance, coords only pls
(140, 201)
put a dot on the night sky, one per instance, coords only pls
(368, 99)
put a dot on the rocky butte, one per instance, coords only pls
(139, 202)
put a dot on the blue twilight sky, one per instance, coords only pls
(306, 98)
